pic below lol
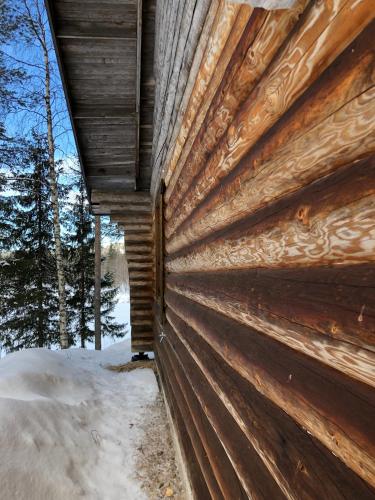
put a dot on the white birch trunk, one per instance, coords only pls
(64, 339)
(37, 29)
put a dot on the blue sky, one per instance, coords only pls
(30, 57)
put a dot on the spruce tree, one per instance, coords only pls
(81, 273)
(30, 303)
(108, 303)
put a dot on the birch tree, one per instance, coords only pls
(34, 30)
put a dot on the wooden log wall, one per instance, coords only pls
(266, 145)
(139, 257)
(132, 213)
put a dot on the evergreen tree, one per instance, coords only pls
(108, 303)
(6, 208)
(81, 273)
(30, 304)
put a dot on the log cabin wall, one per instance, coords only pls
(264, 136)
(132, 214)
(139, 258)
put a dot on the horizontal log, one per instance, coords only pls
(348, 293)
(225, 476)
(141, 313)
(147, 288)
(194, 470)
(131, 218)
(138, 249)
(139, 282)
(215, 85)
(195, 438)
(141, 302)
(133, 197)
(142, 346)
(220, 31)
(298, 463)
(107, 181)
(136, 228)
(122, 208)
(133, 257)
(141, 322)
(310, 50)
(145, 306)
(313, 132)
(261, 40)
(142, 337)
(133, 273)
(335, 409)
(143, 330)
(141, 291)
(139, 265)
(297, 231)
(141, 237)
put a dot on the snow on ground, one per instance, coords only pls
(70, 428)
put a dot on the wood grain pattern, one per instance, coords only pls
(176, 72)
(249, 470)
(303, 388)
(309, 51)
(347, 294)
(339, 230)
(263, 37)
(266, 336)
(195, 47)
(355, 362)
(218, 78)
(316, 126)
(300, 466)
(207, 436)
(195, 467)
(224, 20)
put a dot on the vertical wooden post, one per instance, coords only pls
(97, 302)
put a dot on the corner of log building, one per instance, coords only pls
(242, 172)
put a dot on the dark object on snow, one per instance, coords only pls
(141, 356)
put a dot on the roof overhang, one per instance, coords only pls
(99, 50)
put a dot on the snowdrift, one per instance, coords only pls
(69, 427)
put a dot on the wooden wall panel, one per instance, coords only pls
(132, 213)
(266, 341)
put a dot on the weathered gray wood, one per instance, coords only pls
(106, 61)
(198, 36)
(178, 15)
(193, 19)
(135, 197)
